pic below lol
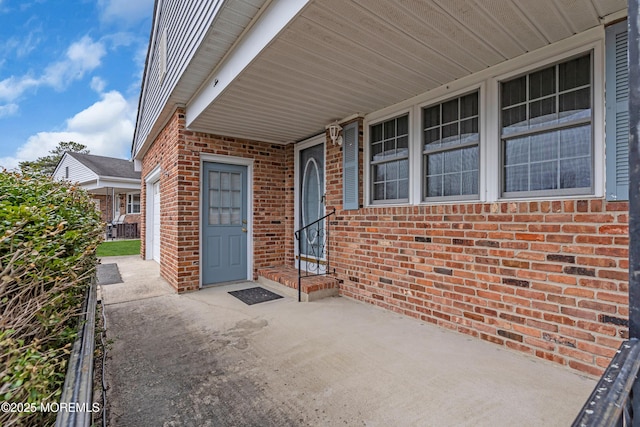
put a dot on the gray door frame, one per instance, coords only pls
(230, 160)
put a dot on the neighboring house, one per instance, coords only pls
(114, 186)
(478, 180)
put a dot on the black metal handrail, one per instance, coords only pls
(317, 231)
(614, 400)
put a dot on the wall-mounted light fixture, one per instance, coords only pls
(334, 133)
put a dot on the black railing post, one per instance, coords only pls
(299, 237)
(634, 172)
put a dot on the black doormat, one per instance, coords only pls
(254, 295)
(108, 274)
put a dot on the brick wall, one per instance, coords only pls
(178, 151)
(547, 278)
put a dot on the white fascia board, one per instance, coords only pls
(266, 29)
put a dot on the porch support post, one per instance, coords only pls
(634, 170)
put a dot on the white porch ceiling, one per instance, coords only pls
(342, 57)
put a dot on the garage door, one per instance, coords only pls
(156, 222)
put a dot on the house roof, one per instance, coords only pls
(107, 166)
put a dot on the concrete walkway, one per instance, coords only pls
(207, 359)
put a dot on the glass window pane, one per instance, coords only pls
(544, 146)
(469, 158)
(214, 217)
(516, 178)
(544, 176)
(514, 91)
(470, 183)
(575, 142)
(403, 142)
(435, 164)
(576, 104)
(542, 112)
(542, 83)
(225, 180)
(575, 173)
(376, 151)
(450, 111)
(452, 161)
(214, 179)
(225, 201)
(575, 73)
(391, 190)
(432, 137)
(236, 181)
(379, 172)
(434, 186)
(378, 191)
(392, 171)
(402, 126)
(431, 117)
(376, 133)
(469, 130)
(389, 129)
(452, 184)
(469, 105)
(403, 189)
(516, 151)
(389, 148)
(236, 217)
(403, 169)
(450, 134)
(514, 119)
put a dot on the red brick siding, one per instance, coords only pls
(178, 151)
(548, 278)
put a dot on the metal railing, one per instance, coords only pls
(77, 392)
(615, 399)
(317, 258)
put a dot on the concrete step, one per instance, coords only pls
(285, 279)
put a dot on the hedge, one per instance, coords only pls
(49, 232)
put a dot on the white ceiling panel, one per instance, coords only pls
(341, 57)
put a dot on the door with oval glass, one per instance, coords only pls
(311, 197)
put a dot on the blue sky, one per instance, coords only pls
(70, 71)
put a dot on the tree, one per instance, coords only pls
(46, 165)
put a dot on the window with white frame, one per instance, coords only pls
(450, 141)
(546, 130)
(133, 203)
(389, 142)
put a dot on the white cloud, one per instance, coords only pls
(81, 57)
(106, 128)
(125, 12)
(98, 84)
(8, 110)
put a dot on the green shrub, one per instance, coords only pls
(49, 232)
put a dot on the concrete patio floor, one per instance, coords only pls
(207, 359)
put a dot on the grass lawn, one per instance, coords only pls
(119, 247)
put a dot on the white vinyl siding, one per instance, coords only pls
(72, 170)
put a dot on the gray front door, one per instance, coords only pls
(224, 223)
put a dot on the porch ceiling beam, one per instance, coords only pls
(272, 22)
(634, 171)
